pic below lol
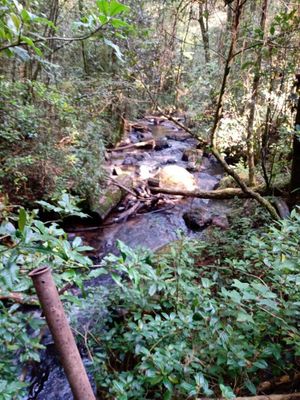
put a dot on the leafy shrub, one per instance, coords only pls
(177, 330)
(27, 243)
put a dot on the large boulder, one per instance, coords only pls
(176, 178)
(200, 218)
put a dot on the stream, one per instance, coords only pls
(152, 228)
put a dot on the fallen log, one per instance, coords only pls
(148, 144)
(290, 396)
(221, 194)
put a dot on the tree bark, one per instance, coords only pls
(83, 50)
(254, 96)
(204, 31)
(295, 175)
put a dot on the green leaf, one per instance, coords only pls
(152, 290)
(242, 316)
(227, 392)
(167, 395)
(260, 364)
(156, 379)
(111, 8)
(25, 15)
(116, 49)
(22, 219)
(272, 29)
(251, 387)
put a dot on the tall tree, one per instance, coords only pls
(254, 97)
(203, 22)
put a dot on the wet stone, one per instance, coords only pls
(220, 221)
(161, 143)
(180, 136)
(197, 219)
(132, 159)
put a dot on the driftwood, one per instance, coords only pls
(150, 144)
(290, 396)
(212, 194)
(132, 210)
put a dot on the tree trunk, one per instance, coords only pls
(254, 95)
(83, 50)
(203, 17)
(295, 175)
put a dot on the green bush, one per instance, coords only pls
(27, 243)
(179, 330)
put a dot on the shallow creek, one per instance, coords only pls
(151, 229)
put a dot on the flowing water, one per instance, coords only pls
(151, 229)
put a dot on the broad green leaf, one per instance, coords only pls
(227, 392)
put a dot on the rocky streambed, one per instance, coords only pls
(153, 150)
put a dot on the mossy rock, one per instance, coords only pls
(112, 196)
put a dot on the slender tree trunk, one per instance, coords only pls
(264, 150)
(295, 176)
(83, 50)
(48, 31)
(203, 22)
(228, 63)
(254, 96)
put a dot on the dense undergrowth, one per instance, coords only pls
(202, 318)
(195, 321)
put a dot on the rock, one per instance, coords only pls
(177, 178)
(133, 138)
(132, 159)
(194, 159)
(197, 219)
(161, 143)
(145, 136)
(192, 167)
(112, 196)
(181, 136)
(192, 155)
(117, 170)
(221, 221)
